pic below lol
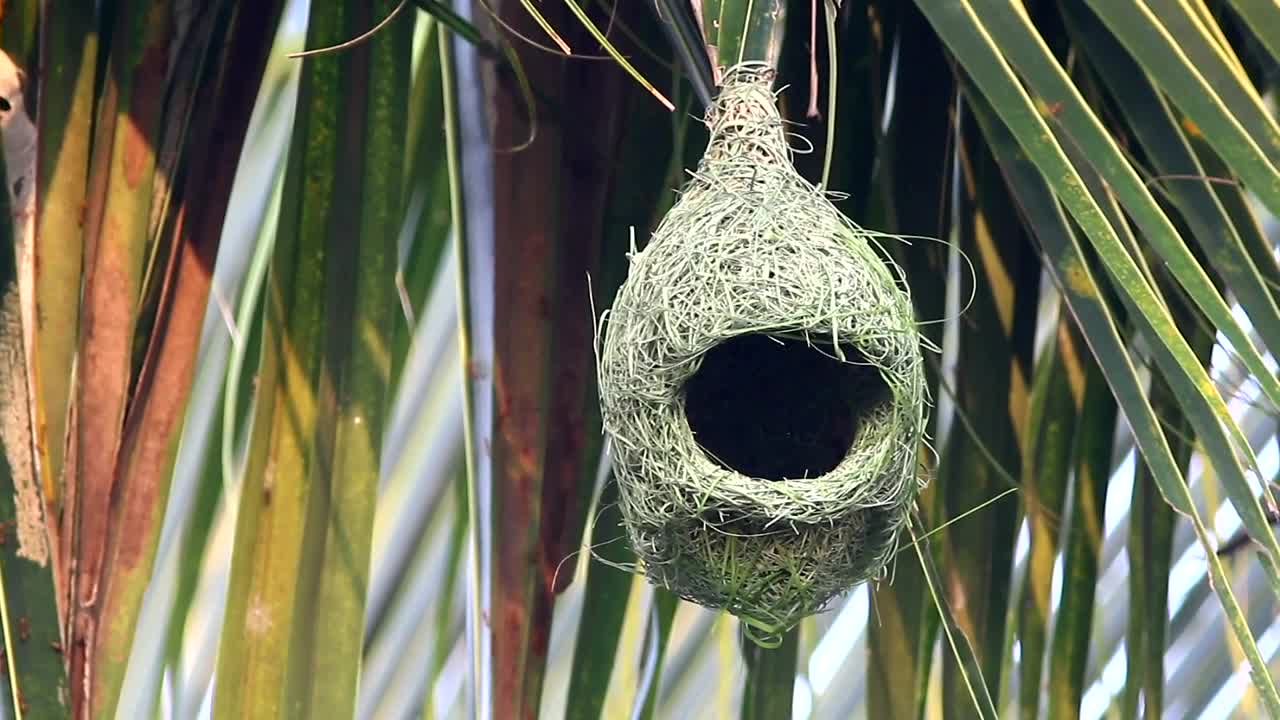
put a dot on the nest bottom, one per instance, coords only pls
(771, 577)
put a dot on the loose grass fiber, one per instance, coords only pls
(758, 331)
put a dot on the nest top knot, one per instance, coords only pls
(744, 120)
(760, 324)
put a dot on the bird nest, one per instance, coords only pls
(761, 382)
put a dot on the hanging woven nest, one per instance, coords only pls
(762, 384)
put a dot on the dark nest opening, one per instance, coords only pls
(780, 409)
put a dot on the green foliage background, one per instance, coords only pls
(309, 348)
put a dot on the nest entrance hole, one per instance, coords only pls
(778, 408)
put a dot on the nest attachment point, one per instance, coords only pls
(761, 382)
